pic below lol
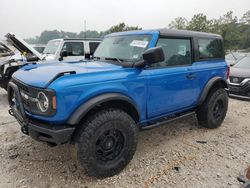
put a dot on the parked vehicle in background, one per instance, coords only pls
(137, 80)
(26, 54)
(39, 47)
(5, 53)
(70, 49)
(56, 50)
(5, 50)
(233, 57)
(239, 81)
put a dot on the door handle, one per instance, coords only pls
(191, 76)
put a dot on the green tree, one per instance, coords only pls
(236, 33)
(228, 28)
(244, 39)
(48, 35)
(178, 23)
(34, 40)
(64, 34)
(246, 18)
(199, 22)
(89, 34)
(121, 27)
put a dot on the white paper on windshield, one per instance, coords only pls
(139, 43)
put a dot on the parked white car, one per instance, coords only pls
(70, 49)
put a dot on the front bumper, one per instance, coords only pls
(56, 134)
(239, 91)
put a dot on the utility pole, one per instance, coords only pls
(85, 29)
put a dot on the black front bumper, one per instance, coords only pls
(57, 134)
(240, 91)
(41, 131)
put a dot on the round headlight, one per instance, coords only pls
(42, 102)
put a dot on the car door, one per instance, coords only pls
(75, 50)
(171, 83)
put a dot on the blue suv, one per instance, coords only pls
(136, 80)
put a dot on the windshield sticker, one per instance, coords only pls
(139, 43)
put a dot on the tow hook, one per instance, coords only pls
(11, 112)
(24, 129)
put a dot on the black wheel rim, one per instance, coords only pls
(109, 145)
(218, 110)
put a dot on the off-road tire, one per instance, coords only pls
(213, 111)
(93, 137)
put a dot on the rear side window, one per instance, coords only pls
(177, 52)
(73, 48)
(210, 48)
(93, 46)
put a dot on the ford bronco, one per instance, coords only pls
(137, 80)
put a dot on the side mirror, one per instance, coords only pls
(63, 54)
(151, 56)
(87, 56)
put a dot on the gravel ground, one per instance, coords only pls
(180, 154)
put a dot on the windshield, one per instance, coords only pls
(51, 47)
(243, 63)
(123, 48)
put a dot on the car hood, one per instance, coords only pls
(40, 75)
(22, 46)
(8, 52)
(239, 72)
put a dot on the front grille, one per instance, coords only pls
(29, 95)
(29, 91)
(26, 104)
(236, 80)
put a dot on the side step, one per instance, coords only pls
(168, 119)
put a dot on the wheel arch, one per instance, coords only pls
(105, 100)
(212, 83)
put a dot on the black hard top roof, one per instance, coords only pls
(186, 33)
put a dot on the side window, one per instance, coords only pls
(210, 48)
(93, 46)
(177, 52)
(73, 48)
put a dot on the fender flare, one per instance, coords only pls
(209, 85)
(84, 108)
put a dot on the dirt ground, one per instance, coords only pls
(180, 154)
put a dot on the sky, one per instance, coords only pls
(28, 18)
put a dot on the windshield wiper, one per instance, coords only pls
(123, 62)
(109, 58)
(114, 59)
(96, 58)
